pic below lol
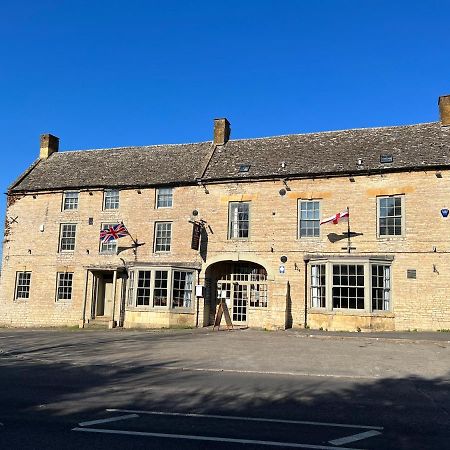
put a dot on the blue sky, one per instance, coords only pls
(101, 74)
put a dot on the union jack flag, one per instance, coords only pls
(113, 232)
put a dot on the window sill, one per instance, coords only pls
(159, 309)
(391, 238)
(63, 302)
(347, 312)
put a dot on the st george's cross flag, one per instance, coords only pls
(113, 232)
(336, 218)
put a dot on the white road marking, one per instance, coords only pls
(269, 372)
(248, 419)
(212, 438)
(354, 437)
(111, 419)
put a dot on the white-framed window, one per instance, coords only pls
(182, 289)
(390, 215)
(67, 236)
(238, 220)
(161, 288)
(143, 288)
(318, 283)
(348, 286)
(164, 198)
(258, 295)
(111, 199)
(163, 237)
(357, 285)
(381, 287)
(109, 247)
(308, 218)
(23, 281)
(64, 285)
(70, 200)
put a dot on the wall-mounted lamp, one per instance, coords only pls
(35, 196)
(139, 191)
(351, 179)
(438, 175)
(29, 251)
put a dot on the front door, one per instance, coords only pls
(236, 297)
(105, 296)
(240, 301)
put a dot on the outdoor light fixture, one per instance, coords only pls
(438, 175)
(352, 180)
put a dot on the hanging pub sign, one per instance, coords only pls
(444, 212)
(196, 231)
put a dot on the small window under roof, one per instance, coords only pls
(244, 167)
(386, 159)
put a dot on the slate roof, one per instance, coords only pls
(412, 146)
(118, 167)
(326, 153)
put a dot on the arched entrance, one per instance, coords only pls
(241, 285)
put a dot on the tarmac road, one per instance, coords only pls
(245, 389)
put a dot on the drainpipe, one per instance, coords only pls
(306, 292)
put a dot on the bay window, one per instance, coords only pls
(352, 285)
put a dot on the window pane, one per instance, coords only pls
(67, 237)
(318, 286)
(110, 246)
(23, 280)
(111, 199)
(239, 220)
(348, 290)
(390, 219)
(160, 291)
(164, 198)
(143, 288)
(70, 200)
(381, 292)
(163, 236)
(182, 289)
(64, 288)
(309, 224)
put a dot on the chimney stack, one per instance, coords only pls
(221, 131)
(444, 110)
(49, 145)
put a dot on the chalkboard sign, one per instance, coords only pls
(222, 310)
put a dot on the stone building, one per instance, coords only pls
(237, 221)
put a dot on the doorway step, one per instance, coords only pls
(97, 323)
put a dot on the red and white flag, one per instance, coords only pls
(336, 218)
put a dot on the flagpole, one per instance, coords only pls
(348, 229)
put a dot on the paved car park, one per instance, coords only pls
(239, 389)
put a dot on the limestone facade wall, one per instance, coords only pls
(31, 244)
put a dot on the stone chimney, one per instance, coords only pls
(444, 110)
(221, 131)
(49, 145)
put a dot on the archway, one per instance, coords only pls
(240, 284)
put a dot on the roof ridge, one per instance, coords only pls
(133, 147)
(334, 131)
